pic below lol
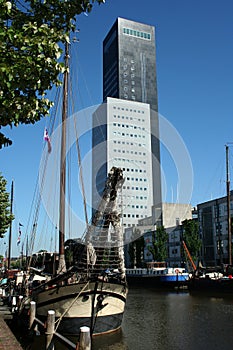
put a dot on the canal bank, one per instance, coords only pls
(7, 338)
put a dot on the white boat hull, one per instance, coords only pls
(98, 305)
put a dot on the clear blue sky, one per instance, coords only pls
(195, 90)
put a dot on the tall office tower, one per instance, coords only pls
(129, 134)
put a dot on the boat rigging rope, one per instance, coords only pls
(79, 162)
(36, 202)
(58, 321)
(97, 309)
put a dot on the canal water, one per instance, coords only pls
(159, 320)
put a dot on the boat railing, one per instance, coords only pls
(137, 271)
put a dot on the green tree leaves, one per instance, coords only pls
(159, 244)
(5, 215)
(191, 237)
(31, 35)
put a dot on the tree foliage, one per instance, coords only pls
(158, 249)
(191, 237)
(31, 34)
(5, 214)
(136, 249)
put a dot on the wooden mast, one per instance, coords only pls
(228, 206)
(62, 264)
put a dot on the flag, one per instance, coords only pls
(19, 236)
(47, 139)
(18, 240)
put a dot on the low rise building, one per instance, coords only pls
(213, 229)
(173, 215)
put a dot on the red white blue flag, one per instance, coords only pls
(47, 139)
(19, 236)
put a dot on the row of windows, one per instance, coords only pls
(134, 188)
(126, 134)
(129, 198)
(128, 118)
(138, 198)
(133, 216)
(133, 225)
(135, 206)
(134, 170)
(135, 144)
(136, 179)
(129, 126)
(129, 109)
(131, 152)
(130, 160)
(137, 33)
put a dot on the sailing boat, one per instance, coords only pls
(217, 280)
(93, 291)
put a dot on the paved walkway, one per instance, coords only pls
(7, 338)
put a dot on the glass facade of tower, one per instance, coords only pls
(129, 70)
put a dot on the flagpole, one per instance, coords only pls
(10, 230)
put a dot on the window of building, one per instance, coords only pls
(137, 34)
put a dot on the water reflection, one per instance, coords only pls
(157, 320)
